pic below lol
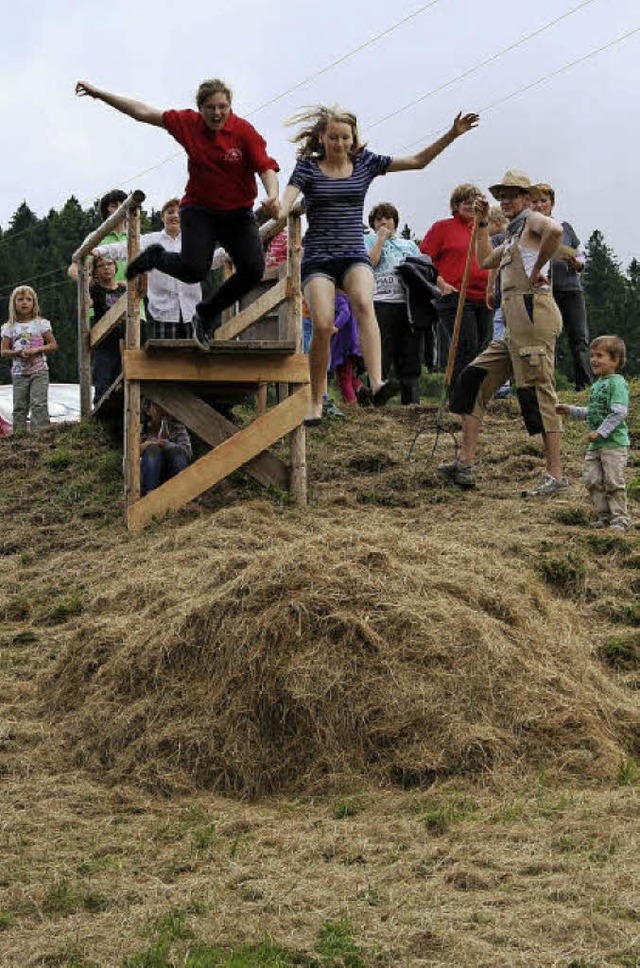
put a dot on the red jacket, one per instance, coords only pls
(222, 164)
(447, 242)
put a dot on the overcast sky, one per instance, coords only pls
(578, 130)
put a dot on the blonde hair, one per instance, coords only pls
(497, 215)
(612, 345)
(12, 302)
(315, 121)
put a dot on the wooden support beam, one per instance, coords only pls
(84, 345)
(108, 397)
(254, 312)
(298, 465)
(213, 428)
(132, 395)
(207, 367)
(222, 461)
(108, 322)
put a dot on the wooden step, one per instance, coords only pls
(239, 347)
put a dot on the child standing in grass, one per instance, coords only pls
(608, 447)
(26, 339)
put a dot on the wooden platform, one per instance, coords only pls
(190, 382)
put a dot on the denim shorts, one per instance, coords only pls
(333, 269)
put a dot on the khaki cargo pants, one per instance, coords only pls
(525, 354)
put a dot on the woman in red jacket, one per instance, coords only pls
(225, 153)
(447, 243)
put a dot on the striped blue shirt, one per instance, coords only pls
(335, 206)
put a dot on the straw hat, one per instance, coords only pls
(512, 179)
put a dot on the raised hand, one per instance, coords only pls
(84, 89)
(464, 122)
(481, 208)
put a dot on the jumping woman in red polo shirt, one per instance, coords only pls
(225, 153)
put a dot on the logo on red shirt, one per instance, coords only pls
(233, 155)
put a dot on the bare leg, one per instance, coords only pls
(358, 285)
(320, 295)
(470, 435)
(552, 443)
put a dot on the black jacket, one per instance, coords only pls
(418, 276)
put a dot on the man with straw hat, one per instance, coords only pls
(527, 351)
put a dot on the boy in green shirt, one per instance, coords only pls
(608, 447)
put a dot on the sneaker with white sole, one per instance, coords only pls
(331, 410)
(458, 473)
(548, 485)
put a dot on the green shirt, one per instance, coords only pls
(121, 264)
(606, 391)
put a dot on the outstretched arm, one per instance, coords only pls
(134, 109)
(461, 124)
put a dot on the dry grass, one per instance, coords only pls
(442, 743)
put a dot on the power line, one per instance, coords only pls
(481, 64)
(306, 80)
(42, 275)
(345, 57)
(540, 80)
(273, 100)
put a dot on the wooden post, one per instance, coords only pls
(297, 438)
(132, 387)
(84, 346)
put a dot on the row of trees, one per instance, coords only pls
(37, 251)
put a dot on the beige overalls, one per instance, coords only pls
(526, 353)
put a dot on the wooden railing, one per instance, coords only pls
(168, 373)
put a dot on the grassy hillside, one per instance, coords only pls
(400, 727)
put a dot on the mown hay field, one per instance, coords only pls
(399, 727)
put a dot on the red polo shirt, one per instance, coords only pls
(447, 243)
(222, 164)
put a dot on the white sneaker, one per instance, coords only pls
(548, 485)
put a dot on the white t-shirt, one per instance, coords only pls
(27, 336)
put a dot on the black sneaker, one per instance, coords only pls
(384, 393)
(199, 333)
(144, 262)
(365, 396)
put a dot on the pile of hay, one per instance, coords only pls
(301, 653)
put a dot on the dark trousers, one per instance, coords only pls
(159, 463)
(201, 230)
(106, 364)
(574, 323)
(475, 331)
(401, 349)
